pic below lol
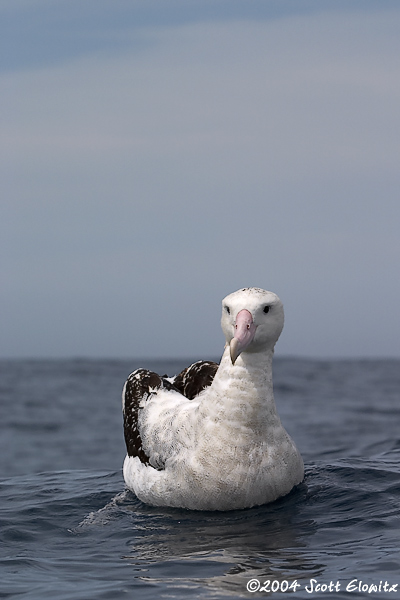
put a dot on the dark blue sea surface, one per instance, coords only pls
(70, 531)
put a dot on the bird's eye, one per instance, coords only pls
(228, 310)
(266, 309)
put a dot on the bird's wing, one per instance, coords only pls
(155, 409)
(194, 379)
(139, 387)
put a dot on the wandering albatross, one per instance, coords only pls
(210, 438)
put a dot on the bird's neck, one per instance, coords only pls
(244, 391)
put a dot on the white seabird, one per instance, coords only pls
(211, 438)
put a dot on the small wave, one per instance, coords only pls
(104, 515)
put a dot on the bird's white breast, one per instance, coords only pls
(225, 450)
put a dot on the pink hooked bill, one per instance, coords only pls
(244, 333)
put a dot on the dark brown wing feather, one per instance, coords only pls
(190, 382)
(137, 387)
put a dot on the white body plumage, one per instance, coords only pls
(226, 449)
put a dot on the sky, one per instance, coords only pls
(157, 156)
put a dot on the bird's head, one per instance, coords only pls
(252, 321)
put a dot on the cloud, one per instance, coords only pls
(41, 33)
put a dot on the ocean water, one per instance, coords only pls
(69, 530)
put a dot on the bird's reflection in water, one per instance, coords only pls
(223, 550)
